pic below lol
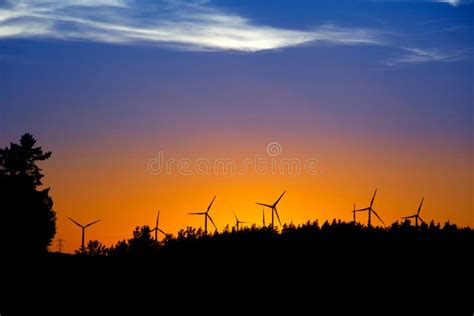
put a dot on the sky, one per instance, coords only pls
(161, 105)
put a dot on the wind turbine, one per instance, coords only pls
(354, 214)
(370, 210)
(263, 217)
(237, 222)
(417, 215)
(206, 216)
(83, 248)
(273, 207)
(157, 229)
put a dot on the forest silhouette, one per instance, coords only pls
(309, 238)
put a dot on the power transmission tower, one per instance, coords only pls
(60, 245)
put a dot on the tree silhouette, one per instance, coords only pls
(27, 219)
(20, 160)
(120, 249)
(94, 248)
(142, 244)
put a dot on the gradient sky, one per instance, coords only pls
(379, 92)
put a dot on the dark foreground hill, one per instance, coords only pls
(344, 266)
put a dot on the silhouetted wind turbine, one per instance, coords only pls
(83, 249)
(237, 222)
(370, 210)
(157, 229)
(206, 216)
(417, 215)
(273, 207)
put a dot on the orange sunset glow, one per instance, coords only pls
(119, 189)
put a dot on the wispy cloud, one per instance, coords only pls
(417, 55)
(451, 2)
(185, 25)
(190, 25)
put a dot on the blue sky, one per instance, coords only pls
(408, 62)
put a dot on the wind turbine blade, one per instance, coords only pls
(279, 198)
(378, 216)
(76, 222)
(362, 209)
(278, 217)
(419, 208)
(92, 223)
(200, 213)
(373, 198)
(151, 231)
(210, 218)
(421, 219)
(209, 207)
(411, 216)
(161, 231)
(235, 216)
(266, 205)
(158, 219)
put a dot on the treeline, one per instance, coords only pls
(310, 236)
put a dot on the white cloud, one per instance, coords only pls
(188, 24)
(451, 2)
(417, 55)
(184, 25)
